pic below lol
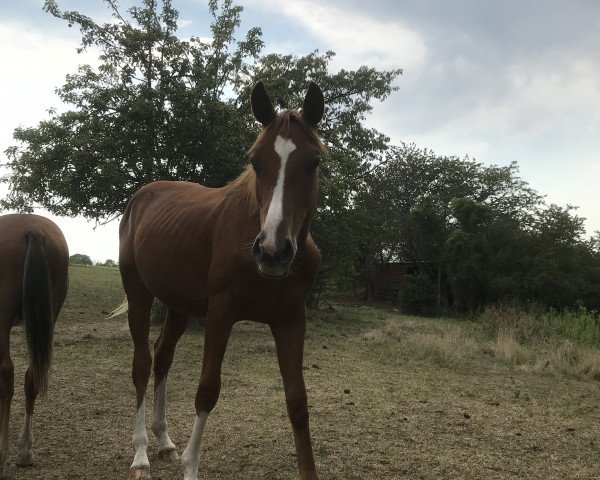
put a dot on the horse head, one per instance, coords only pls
(285, 159)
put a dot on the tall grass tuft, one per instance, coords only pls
(501, 320)
(566, 342)
(507, 348)
(581, 326)
(528, 326)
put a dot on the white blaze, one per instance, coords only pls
(283, 147)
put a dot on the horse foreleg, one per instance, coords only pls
(216, 335)
(289, 341)
(25, 454)
(164, 349)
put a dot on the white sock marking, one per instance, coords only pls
(191, 456)
(26, 438)
(283, 147)
(159, 417)
(140, 439)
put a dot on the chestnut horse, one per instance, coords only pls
(241, 252)
(34, 262)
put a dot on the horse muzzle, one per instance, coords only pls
(273, 256)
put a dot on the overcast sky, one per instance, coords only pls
(497, 81)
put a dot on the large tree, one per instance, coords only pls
(161, 107)
(409, 201)
(153, 109)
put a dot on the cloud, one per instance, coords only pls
(499, 81)
(34, 64)
(357, 39)
(550, 93)
(184, 23)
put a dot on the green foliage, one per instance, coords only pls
(409, 198)
(162, 107)
(154, 109)
(80, 259)
(535, 324)
(417, 294)
(579, 325)
(490, 234)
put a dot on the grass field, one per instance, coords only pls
(390, 397)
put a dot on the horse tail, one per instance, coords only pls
(120, 310)
(37, 310)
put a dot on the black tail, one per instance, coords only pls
(37, 311)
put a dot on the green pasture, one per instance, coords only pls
(391, 397)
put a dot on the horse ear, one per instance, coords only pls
(314, 105)
(262, 108)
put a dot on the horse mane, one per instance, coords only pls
(246, 182)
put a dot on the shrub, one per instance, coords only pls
(524, 326)
(80, 259)
(416, 294)
(579, 325)
(531, 325)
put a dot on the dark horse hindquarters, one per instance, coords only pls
(34, 261)
(241, 252)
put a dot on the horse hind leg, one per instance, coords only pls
(164, 350)
(25, 443)
(139, 326)
(7, 382)
(25, 455)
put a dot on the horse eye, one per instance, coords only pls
(315, 163)
(254, 163)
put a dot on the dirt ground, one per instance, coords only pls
(378, 411)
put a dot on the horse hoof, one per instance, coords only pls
(139, 473)
(168, 455)
(24, 459)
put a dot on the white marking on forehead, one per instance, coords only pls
(283, 147)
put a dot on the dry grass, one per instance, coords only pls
(428, 399)
(507, 348)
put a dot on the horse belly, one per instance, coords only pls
(175, 272)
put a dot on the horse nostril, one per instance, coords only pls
(287, 253)
(256, 250)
